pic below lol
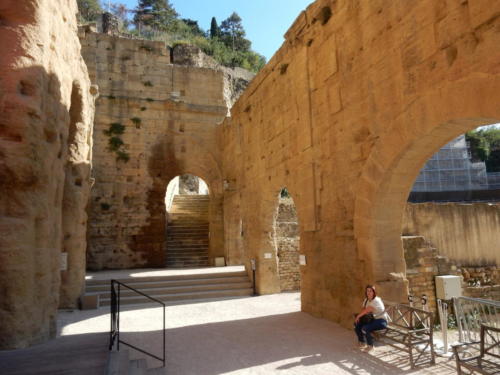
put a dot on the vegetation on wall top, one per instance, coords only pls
(158, 20)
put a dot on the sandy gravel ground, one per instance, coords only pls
(251, 335)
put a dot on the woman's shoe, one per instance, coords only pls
(361, 345)
(369, 348)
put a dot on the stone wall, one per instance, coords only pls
(156, 119)
(46, 113)
(424, 263)
(345, 114)
(287, 245)
(467, 233)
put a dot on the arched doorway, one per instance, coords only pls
(187, 202)
(384, 187)
(451, 223)
(287, 242)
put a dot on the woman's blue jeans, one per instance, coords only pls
(367, 329)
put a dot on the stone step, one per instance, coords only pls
(133, 281)
(182, 258)
(105, 287)
(193, 247)
(138, 367)
(182, 253)
(186, 247)
(183, 296)
(181, 225)
(187, 239)
(192, 198)
(187, 264)
(187, 235)
(105, 295)
(189, 217)
(187, 222)
(156, 371)
(187, 228)
(187, 243)
(118, 362)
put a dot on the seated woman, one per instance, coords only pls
(374, 305)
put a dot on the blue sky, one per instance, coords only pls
(265, 21)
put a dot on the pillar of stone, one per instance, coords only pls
(40, 64)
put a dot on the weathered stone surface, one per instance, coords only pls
(424, 263)
(168, 114)
(466, 233)
(345, 114)
(287, 239)
(46, 111)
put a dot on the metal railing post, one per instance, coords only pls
(118, 320)
(254, 267)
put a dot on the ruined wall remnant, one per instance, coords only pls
(155, 120)
(345, 114)
(467, 233)
(287, 245)
(424, 263)
(46, 111)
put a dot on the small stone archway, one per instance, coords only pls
(187, 224)
(287, 242)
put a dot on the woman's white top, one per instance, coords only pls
(378, 308)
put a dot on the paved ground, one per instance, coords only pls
(251, 335)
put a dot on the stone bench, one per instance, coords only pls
(486, 360)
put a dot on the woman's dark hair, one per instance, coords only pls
(372, 288)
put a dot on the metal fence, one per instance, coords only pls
(471, 313)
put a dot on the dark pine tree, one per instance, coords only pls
(214, 29)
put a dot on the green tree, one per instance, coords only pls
(233, 33)
(485, 146)
(157, 14)
(193, 26)
(214, 29)
(88, 10)
(120, 10)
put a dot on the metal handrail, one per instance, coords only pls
(114, 333)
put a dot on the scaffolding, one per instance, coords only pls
(451, 169)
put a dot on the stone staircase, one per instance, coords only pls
(119, 363)
(173, 288)
(187, 232)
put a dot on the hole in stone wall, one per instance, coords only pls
(27, 88)
(287, 242)
(283, 68)
(324, 15)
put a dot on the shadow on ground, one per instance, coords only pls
(83, 354)
(291, 343)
